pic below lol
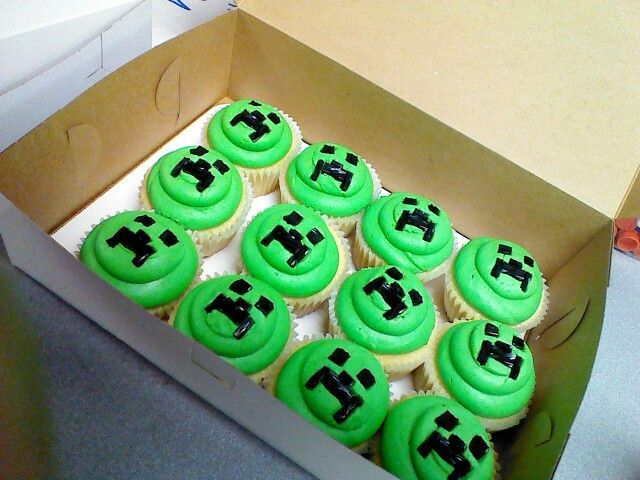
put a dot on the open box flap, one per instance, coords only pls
(553, 89)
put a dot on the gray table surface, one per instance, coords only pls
(117, 416)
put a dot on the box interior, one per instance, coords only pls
(83, 149)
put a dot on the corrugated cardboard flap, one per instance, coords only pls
(553, 88)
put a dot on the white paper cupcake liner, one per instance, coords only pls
(344, 224)
(211, 240)
(263, 180)
(364, 257)
(163, 312)
(426, 378)
(457, 307)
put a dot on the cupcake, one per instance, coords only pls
(388, 312)
(407, 231)
(484, 366)
(496, 280)
(291, 248)
(240, 318)
(202, 191)
(433, 438)
(258, 138)
(149, 258)
(339, 387)
(333, 180)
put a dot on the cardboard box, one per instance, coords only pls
(490, 117)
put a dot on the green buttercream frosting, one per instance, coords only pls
(389, 229)
(345, 187)
(240, 318)
(486, 367)
(400, 323)
(499, 279)
(319, 376)
(416, 423)
(146, 256)
(250, 134)
(290, 247)
(195, 186)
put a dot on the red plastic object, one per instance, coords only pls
(626, 223)
(628, 240)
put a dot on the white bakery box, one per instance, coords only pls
(517, 120)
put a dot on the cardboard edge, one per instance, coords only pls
(630, 205)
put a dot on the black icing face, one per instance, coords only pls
(238, 311)
(338, 376)
(200, 168)
(445, 442)
(389, 288)
(494, 347)
(290, 237)
(138, 243)
(423, 219)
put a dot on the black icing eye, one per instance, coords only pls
(274, 118)
(491, 330)
(168, 238)
(264, 305)
(328, 149)
(221, 166)
(314, 236)
(293, 219)
(198, 151)
(339, 356)
(504, 249)
(366, 378)
(410, 201)
(447, 420)
(145, 220)
(240, 286)
(394, 273)
(433, 209)
(254, 103)
(478, 447)
(528, 261)
(416, 298)
(517, 342)
(351, 159)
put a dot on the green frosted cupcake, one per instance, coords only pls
(388, 312)
(147, 257)
(333, 180)
(258, 138)
(240, 318)
(484, 366)
(339, 387)
(202, 191)
(291, 248)
(496, 280)
(405, 230)
(433, 438)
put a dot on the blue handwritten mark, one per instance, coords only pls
(180, 4)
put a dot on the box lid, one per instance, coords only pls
(554, 89)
